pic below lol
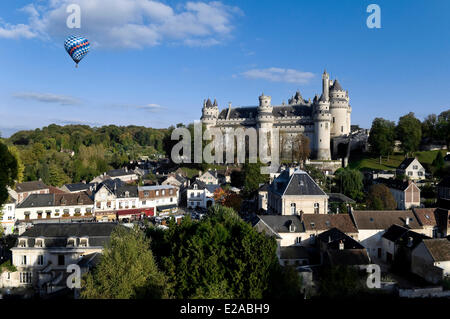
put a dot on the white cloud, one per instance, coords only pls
(47, 98)
(151, 107)
(279, 75)
(128, 23)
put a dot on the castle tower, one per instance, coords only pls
(325, 85)
(322, 119)
(340, 110)
(210, 113)
(265, 116)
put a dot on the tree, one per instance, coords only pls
(429, 127)
(443, 127)
(127, 270)
(382, 137)
(253, 177)
(221, 256)
(339, 281)
(438, 164)
(409, 132)
(350, 182)
(380, 198)
(9, 170)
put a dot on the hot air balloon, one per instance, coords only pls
(77, 47)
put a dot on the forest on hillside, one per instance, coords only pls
(72, 153)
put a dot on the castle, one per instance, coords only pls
(321, 120)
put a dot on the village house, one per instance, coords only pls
(42, 254)
(200, 194)
(8, 218)
(209, 177)
(429, 220)
(315, 224)
(161, 200)
(337, 248)
(105, 200)
(406, 193)
(176, 180)
(294, 191)
(372, 225)
(411, 168)
(431, 260)
(23, 190)
(55, 206)
(397, 244)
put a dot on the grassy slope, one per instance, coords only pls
(367, 162)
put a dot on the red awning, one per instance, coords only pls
(137, 211)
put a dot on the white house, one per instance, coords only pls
(43, 253)
(51, 206)
(412, 168)
(372, 225)
(8, 216)
(200, 194)
(431, 259)
(209, 177)
(294, 191)
(405, 193)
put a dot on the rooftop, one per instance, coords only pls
(383, 219)
(439, 248)
(30, 186)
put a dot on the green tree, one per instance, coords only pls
(409, 132)
(9, 170)
(350, 182)
(253, 177)
(127, 270)
(220, 257)
(438, 164)
(380, 198)
(382, 137)
(443, 127)
(339, 282)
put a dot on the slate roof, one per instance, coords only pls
(395, 232)
(439, 248)
(30, 186)
(383, 219)
(76, 187)
(281, 223)
(201, 185)
(119, 172)
(334, 236)
(277, 111)
(111, 184)
(131, 189)
(343, 222)
(37, 200)
(56, 234)
(299, 183)
(406, 162)
(336, 86)
(49, 200)
(339, 198)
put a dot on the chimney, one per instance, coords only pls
(410, 242)
(301, 216)
(199, 173)
(291, 170)
(341, 245)
(407, 221)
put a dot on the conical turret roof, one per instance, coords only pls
(337, 86)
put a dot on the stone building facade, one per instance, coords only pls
(321, 120)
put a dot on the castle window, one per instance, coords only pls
(333, 119)
(342, 129)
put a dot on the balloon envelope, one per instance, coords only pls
(77, 47)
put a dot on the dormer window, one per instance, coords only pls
(127, 194)
(195, 186)
(71, 242)
(22, 243)
(83, 242)
(39, 243)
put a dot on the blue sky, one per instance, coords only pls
(152, 63)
